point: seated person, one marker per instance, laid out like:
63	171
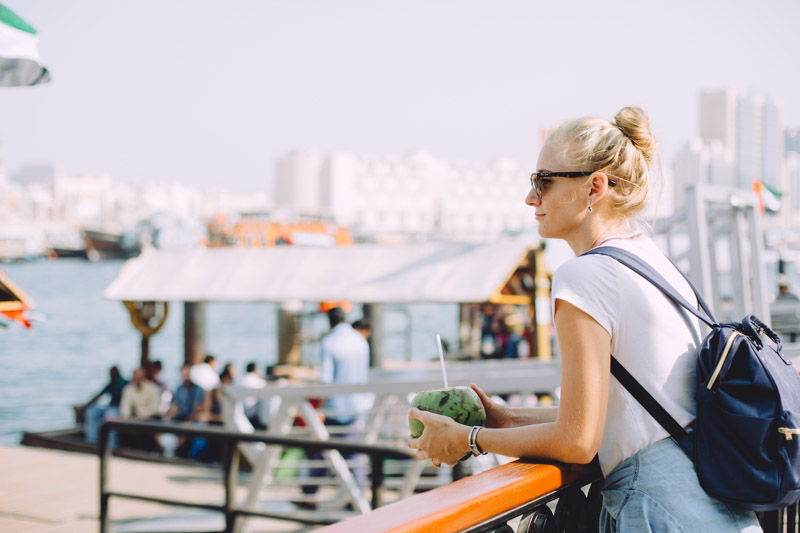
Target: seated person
208	449
188	400
187	406
92	413
140	400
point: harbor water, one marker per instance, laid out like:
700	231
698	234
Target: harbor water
63	360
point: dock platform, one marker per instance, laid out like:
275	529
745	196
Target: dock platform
50	491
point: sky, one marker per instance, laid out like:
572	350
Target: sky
211	93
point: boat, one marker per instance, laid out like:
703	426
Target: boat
14	303
102	245
68	253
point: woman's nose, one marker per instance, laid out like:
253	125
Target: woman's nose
532	198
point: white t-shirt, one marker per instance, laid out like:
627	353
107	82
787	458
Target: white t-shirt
649	337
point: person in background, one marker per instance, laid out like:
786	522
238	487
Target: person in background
187	406
344	358
141	400
211	411
92	413
363	326
591	182
188	400
252	406
784	293
154	375
230	370
205	373
203	449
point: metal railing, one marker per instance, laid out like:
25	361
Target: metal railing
521	497
488	501
230	466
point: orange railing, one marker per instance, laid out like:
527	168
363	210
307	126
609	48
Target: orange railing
486	501
521	493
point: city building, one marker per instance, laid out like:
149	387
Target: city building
415	195
742	141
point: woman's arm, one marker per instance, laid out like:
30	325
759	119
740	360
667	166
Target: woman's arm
574	435
499	415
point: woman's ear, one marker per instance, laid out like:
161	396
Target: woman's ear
598	186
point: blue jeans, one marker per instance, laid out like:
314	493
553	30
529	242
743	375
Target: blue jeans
657	490
96	415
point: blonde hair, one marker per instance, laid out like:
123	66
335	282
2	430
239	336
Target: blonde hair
624	149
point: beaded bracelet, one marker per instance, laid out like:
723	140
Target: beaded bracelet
473	441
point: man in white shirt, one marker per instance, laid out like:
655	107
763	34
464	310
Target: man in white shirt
252	406
343	358
205	374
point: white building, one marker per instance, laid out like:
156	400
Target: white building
418	194
747	142
792	170
718	118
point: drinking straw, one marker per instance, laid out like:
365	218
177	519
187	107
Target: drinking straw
441	359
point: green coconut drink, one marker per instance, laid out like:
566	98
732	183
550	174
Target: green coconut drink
462	404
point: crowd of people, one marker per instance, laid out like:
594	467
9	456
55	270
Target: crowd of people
146	396
197	398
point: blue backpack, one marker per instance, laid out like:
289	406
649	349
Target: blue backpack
745	440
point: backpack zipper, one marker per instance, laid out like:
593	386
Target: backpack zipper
788	432
722	358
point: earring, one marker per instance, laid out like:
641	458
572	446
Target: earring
590	205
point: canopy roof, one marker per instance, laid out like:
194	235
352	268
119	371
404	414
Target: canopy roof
370	273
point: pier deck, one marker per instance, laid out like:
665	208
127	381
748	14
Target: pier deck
48	491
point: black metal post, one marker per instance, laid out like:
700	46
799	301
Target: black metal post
230	469
104	452
377	479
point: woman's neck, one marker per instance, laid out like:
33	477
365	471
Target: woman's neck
598	233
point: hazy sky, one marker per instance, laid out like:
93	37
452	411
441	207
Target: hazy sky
211	93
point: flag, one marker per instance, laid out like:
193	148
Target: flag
769	199
19	52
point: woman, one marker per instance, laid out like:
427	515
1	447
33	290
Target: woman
591	182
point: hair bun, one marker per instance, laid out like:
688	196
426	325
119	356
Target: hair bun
634	124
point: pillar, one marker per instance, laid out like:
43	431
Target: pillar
289	352
374	313
194	332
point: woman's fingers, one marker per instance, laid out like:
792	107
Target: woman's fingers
482	395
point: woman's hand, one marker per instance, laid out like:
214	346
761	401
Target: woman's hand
497	415
442	441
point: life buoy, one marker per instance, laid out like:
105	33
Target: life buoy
147	317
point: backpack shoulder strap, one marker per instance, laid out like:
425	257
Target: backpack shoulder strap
624	377
641	267
647	401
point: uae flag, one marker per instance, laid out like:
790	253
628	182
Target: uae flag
769	199
19	52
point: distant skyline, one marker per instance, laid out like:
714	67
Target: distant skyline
211	93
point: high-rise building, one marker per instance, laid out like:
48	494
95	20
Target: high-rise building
297	183
792	137
718	118
749	130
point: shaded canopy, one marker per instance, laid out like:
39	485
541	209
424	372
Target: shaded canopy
368	273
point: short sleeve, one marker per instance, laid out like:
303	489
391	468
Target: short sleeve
591	284
326	366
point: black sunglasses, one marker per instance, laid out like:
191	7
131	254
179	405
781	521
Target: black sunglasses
538	177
